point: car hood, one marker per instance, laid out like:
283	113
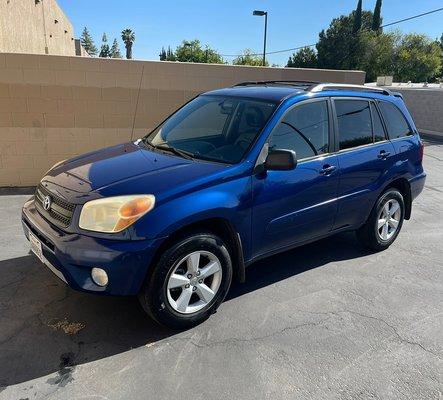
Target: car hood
124	169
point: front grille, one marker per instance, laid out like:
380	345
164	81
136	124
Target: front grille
61	211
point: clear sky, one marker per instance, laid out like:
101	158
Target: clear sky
228	25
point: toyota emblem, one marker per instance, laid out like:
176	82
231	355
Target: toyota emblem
47	203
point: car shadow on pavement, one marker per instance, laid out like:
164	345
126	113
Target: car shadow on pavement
46	327
268	271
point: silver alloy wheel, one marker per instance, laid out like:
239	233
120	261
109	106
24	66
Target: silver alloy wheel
194	282
388	219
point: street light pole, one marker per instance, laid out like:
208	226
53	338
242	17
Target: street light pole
264	41
263	14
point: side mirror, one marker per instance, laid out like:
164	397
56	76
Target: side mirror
281	160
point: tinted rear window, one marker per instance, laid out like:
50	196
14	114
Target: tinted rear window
354	123
395	121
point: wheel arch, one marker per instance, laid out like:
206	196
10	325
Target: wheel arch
404	187
218	226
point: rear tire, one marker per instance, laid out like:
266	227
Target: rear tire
189	281
384	223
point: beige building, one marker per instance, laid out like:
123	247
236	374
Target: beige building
35	27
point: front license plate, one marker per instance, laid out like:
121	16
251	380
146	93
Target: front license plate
36	246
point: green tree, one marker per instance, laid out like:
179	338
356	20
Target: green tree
304	58
338	47
358	17
192	51
105	52
167	55
88	43
170	55
407	57
376	20
378	56
249	58
115	50
355	44
128	37
417	58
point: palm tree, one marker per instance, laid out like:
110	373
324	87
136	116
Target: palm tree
128	38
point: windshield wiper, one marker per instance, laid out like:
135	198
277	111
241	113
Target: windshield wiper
181	153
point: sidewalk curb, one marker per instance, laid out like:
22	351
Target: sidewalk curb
16	190
438	136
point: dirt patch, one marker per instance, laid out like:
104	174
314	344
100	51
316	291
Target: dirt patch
70	328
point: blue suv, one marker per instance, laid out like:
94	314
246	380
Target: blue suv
234	175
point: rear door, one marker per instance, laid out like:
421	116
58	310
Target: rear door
365	157
405	141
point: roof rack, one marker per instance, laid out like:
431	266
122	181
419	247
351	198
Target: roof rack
279	82
314	87
343	86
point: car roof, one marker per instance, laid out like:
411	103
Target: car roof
277	91
263	92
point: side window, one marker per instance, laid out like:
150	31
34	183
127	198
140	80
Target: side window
379	132
304	129
354	123
395	121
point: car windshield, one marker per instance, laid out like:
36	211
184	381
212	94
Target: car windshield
215	128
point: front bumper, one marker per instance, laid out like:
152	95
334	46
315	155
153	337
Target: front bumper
71	256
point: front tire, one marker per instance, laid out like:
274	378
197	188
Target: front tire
189	281
384	223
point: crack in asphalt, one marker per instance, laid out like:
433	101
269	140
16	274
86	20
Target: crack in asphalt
13	282
236	340
434	157
393	328
395	331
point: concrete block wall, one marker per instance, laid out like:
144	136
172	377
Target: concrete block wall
426	107
56	107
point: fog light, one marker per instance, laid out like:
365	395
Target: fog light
99	276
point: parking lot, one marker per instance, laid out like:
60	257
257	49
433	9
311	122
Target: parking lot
325	321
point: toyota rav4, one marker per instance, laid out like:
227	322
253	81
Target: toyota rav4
233	176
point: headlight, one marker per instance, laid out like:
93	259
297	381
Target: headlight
113	214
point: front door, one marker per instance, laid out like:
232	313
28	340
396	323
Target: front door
290	207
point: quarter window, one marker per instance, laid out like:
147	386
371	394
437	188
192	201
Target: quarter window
395	121
354	123
304	129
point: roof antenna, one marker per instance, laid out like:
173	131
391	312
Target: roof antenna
136	103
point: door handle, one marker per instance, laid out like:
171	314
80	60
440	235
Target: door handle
328	169
384	154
